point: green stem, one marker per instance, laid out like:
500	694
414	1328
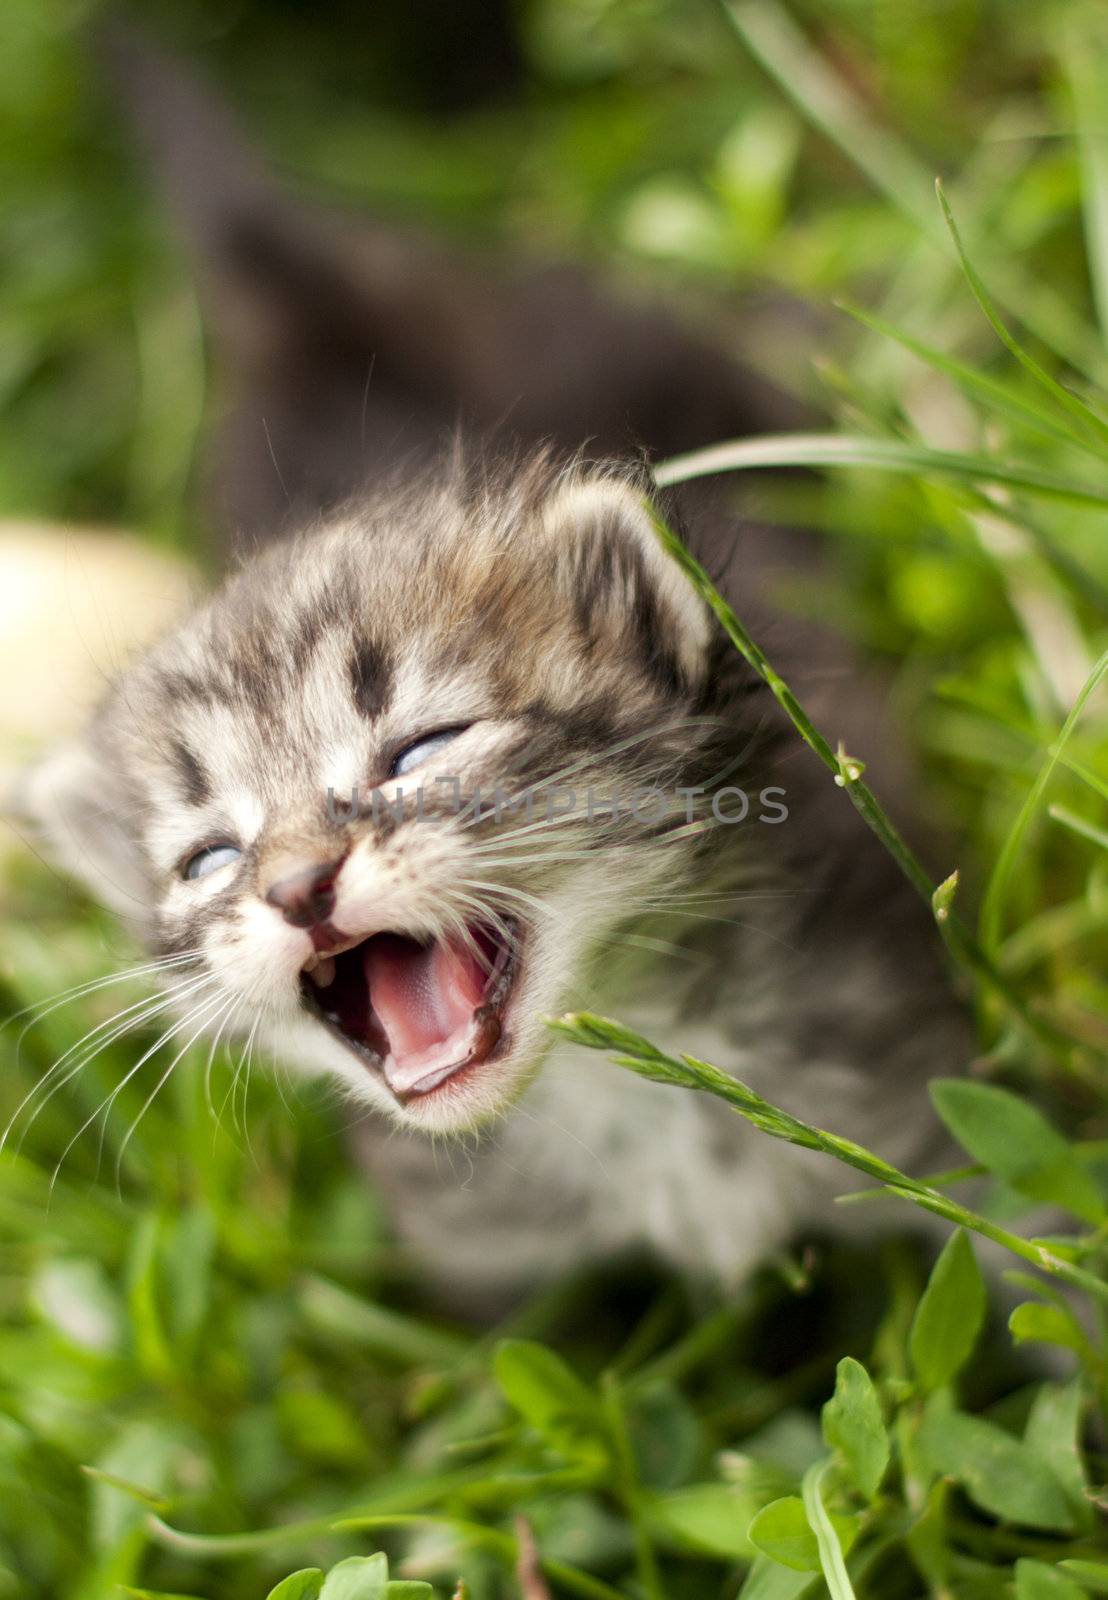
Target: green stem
629	1049
827	1540
848	775
627	1486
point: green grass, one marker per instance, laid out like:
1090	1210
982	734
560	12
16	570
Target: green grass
214	1367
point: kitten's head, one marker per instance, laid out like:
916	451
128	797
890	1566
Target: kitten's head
527	638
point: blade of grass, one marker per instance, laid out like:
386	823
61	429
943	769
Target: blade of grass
997	888
830	1550
1000	396
627	1487
855	450
1069	402
390	1334
1081	825
1024	731
1082	59
773	38
1077	578
633	1051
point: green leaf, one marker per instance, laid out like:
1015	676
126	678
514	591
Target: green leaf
188	1269
156	1594
357	1578
766	1580
302	1585
927	1540
409	1589
378	1329
708	1517
1053	1432
541	1387
853	1425
949	1315
782	1532
1089	1574
666	1436
1035	1323
132	1475
1035	1580
1016	1143
78	1299
1000	1474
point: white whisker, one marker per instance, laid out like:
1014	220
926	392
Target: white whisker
228	1005
44	1008
106	1104
112	1028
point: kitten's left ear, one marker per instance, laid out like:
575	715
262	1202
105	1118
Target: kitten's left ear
69	802
608	548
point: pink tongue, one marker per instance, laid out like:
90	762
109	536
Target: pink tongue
424	997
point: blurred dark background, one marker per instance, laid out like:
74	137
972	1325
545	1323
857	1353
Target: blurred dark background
636	134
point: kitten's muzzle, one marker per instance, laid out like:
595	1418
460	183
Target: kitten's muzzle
306	898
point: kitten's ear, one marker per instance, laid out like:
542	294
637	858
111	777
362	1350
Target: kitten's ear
68	803
608	547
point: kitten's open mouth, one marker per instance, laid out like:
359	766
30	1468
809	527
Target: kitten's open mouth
417	1012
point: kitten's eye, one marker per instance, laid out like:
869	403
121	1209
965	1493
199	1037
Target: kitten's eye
418	751
210	859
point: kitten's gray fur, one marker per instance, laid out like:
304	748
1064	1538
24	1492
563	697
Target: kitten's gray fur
521	593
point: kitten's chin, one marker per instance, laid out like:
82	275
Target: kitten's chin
427	1024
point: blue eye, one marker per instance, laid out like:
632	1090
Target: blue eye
412	755
210	859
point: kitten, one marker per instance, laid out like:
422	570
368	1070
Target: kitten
466	750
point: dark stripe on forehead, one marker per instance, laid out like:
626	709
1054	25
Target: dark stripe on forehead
370	677
258	672
187	687
194	780
324	612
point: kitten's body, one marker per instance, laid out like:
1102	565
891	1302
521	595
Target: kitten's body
523	606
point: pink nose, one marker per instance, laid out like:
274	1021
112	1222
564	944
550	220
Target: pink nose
306	898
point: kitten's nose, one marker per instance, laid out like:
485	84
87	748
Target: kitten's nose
306	898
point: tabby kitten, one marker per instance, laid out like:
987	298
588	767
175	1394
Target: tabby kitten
461	749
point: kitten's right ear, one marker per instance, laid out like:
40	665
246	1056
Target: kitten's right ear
69	803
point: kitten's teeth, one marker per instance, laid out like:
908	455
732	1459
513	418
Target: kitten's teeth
323	973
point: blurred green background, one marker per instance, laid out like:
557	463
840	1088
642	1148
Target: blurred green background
209	1311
